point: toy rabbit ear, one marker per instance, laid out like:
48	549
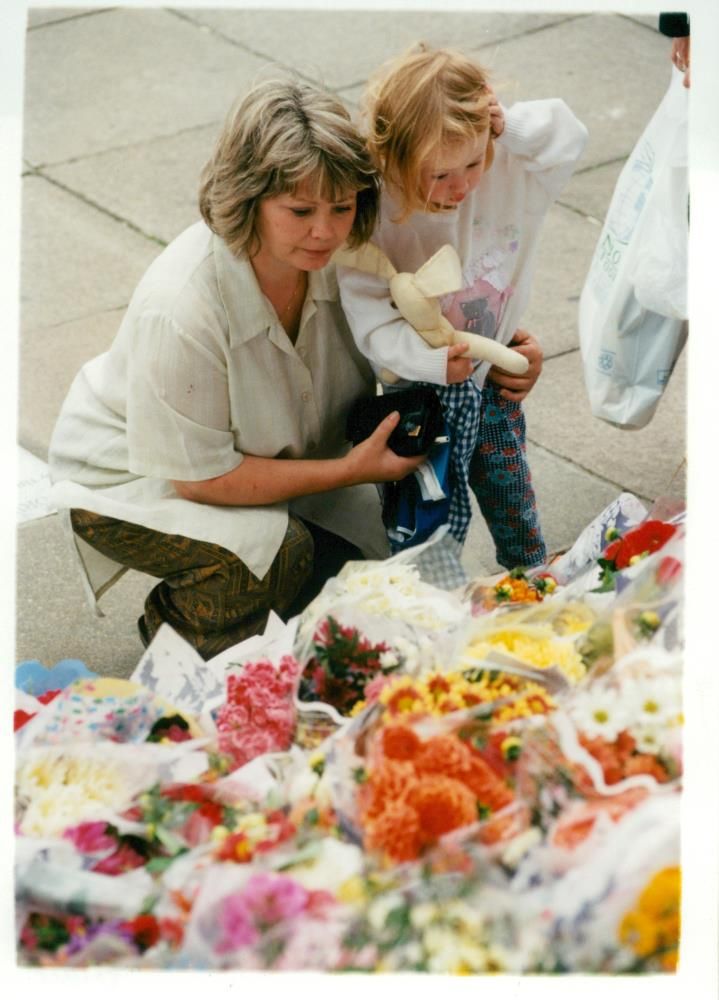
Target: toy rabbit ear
368	258
441	274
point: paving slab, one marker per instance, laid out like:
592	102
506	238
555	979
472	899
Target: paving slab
566	246
568	498
124	76
590	191
53	618
75	261
49	361
586	62
644	462
153	185
38	17
342	48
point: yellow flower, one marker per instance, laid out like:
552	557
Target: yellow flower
352	891
655	923
534	644
254	825
59	787
660	898
510	747
669	959
639	932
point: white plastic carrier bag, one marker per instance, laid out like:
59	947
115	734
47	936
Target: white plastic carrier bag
633	307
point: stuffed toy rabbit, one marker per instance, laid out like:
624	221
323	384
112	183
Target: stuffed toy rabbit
416	297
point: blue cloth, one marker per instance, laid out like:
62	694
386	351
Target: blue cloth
410	518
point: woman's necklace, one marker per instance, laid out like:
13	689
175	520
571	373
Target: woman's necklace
286	310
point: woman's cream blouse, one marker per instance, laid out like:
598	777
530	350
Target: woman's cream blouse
201	372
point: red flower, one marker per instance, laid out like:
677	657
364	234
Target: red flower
145	930
186	793
134	813
172	931
646	538
235	847
199	825
123	860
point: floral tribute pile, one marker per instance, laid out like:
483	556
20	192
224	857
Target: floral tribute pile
404	779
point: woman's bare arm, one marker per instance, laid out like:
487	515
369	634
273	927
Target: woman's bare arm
256	482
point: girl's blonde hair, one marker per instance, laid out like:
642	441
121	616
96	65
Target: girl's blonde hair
423	100
282	133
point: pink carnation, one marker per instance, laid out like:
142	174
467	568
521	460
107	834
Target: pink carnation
90	838
374	687
258	716
236	925
123	860
273	897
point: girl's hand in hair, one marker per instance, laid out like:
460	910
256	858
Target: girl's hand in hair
496	115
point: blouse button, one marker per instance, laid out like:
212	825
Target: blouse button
306	396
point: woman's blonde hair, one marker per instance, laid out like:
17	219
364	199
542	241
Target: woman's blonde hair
417	103
282	133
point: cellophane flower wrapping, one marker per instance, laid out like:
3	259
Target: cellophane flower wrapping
405	779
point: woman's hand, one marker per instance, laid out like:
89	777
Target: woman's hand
459	366
373	461
516	387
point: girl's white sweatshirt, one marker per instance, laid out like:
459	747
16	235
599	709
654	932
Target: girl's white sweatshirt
494	230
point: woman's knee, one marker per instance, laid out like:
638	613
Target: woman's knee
292	566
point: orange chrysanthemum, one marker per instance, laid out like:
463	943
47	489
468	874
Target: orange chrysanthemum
400	742
442	804
445	754
389	781
487	787
395	831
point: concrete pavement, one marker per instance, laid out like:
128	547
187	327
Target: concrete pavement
122	106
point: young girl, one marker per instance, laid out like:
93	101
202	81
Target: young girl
459	169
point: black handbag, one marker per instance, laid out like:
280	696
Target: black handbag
421	419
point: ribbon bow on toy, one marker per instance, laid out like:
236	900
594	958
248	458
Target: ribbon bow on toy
416	297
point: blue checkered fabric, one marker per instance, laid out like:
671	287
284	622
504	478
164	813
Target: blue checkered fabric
462	405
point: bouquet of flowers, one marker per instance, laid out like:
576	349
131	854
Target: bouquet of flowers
258	715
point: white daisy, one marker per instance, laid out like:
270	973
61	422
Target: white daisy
600	711
658	701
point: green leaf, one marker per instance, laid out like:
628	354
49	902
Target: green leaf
162	862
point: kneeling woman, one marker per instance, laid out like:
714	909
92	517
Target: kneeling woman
206	447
